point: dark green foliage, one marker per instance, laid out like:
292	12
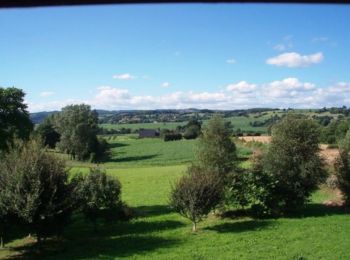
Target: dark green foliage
98	195
35	188
216	151
342	172
48	133
172	137
78	127
14	117
192	129
334	131
294	163
196	194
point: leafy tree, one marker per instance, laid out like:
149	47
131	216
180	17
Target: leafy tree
36	187
196	194
342	172
294	163
216	151
14	117
78	127
48	133
192	129
98	195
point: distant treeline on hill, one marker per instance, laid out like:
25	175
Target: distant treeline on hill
158	115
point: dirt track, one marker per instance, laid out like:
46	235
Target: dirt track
328	153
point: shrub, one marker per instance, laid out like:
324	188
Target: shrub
34	185
294	163
172	137
98	195
342	171
196	194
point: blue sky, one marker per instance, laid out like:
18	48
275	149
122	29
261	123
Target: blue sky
223	56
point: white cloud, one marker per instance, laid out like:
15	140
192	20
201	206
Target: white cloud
283	93
231	61
241	86
293	59
165	85
125	76
46	93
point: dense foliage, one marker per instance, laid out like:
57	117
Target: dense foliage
342	172
294	164
47	131
78	127
14	117
34	188
98	195
216	151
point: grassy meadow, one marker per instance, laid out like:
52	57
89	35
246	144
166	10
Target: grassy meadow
146	169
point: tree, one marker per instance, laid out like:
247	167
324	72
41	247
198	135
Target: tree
78	127
98	195
14	117
342	172
35	186
294	163
47	132
196	194
216	151
192	129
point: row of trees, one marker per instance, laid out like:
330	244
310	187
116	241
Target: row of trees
36	193
279	181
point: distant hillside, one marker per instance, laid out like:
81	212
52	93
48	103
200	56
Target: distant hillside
38	118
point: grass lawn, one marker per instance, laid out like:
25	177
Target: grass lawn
159	233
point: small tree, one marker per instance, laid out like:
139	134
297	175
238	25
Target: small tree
342	172
98	195
196	194
36	187
48	133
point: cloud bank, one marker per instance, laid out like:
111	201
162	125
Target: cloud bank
284	93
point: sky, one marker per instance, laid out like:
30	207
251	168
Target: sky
214	56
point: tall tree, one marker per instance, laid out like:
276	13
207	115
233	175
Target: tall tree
14	117
78	127
48	132
216	150
294	162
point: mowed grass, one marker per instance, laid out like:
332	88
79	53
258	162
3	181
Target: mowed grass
159	233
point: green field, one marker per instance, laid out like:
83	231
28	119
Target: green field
159	233
147	168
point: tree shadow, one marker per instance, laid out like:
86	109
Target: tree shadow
120	239
132	158
116	145
241	226
150	211
318	210
95	247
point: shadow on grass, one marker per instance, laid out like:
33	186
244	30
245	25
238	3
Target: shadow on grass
95	247
116	145
131	158
241	226
318	210
121	239
150	211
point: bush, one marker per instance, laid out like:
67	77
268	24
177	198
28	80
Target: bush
172	137
35	189
98	195
342	171
294	163
196	194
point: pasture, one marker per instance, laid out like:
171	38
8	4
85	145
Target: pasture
146	169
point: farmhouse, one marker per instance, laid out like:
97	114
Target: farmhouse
148	133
